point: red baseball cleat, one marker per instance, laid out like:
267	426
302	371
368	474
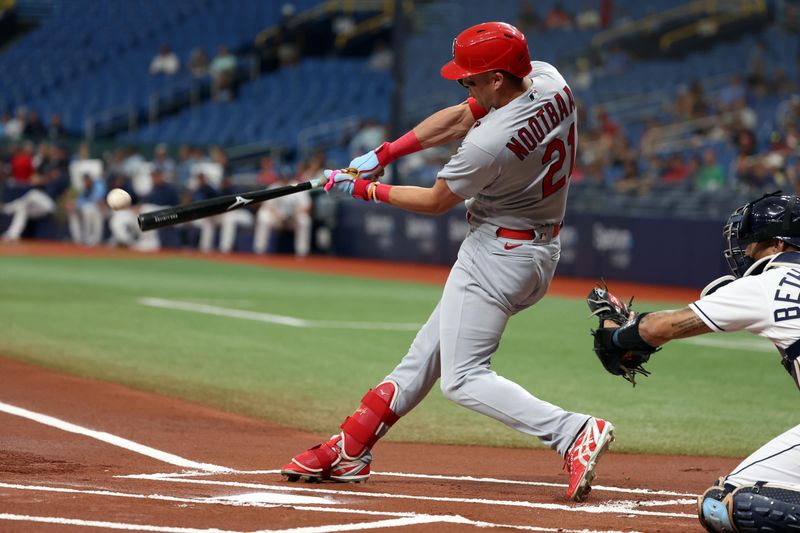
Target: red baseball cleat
595	438
326	462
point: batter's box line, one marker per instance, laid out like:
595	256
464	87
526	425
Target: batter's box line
398	518
622	507
595	488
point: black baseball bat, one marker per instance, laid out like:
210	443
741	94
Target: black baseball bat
221	204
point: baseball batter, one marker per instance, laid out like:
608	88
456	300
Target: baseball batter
763	297
513	169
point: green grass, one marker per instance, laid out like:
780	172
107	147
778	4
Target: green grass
82	316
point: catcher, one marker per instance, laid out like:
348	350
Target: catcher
763	297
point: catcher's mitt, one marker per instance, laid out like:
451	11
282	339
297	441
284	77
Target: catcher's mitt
620	361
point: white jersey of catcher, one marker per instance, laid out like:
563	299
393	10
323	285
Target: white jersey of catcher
765	302
514	164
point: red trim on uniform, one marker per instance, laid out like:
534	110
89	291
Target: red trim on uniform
382	192
524	234
361	189
478	112
516	234
407	144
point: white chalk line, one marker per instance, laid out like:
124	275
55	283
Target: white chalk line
110	439
274	319
595	488
210	468
400	518
392	522
591	509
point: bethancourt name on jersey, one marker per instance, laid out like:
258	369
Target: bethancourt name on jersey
546	119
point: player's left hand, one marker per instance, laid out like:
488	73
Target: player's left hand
369	165
341	181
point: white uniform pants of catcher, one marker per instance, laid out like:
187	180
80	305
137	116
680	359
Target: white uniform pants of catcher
34	204
778	461
487	285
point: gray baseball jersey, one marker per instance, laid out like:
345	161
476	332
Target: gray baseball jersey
513	166
514	163
767	304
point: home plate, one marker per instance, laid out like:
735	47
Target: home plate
275	498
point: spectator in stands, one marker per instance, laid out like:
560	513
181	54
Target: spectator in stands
287	212
218	156
744	117
267	174
381	57
16	124
651	137
557	17
676	171
588	18
528	20
710	176
34	129
198	63
223	73
744	140
370	133
313	167
788	113
38	202
582	77
758	65
208	225
606	13
162	160
55	130
5	116
22	162
631	181
230	222
731	93
86	212
165	62
616	60
780	84
698	101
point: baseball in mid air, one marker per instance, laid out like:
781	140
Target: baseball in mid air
118	199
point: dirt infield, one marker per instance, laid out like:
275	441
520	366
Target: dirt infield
51	476
83	455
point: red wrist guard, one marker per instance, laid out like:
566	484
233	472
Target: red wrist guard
407	144
371	190
477	111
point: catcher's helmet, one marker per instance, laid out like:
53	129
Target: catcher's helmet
773	216
488	46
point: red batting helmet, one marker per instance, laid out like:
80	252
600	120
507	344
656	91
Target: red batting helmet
488	46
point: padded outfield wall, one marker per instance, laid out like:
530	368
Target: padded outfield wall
655	250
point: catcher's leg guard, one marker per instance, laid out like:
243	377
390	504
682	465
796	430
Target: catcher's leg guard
713	510
766	507
370	421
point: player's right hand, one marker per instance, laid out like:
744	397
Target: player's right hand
369	165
